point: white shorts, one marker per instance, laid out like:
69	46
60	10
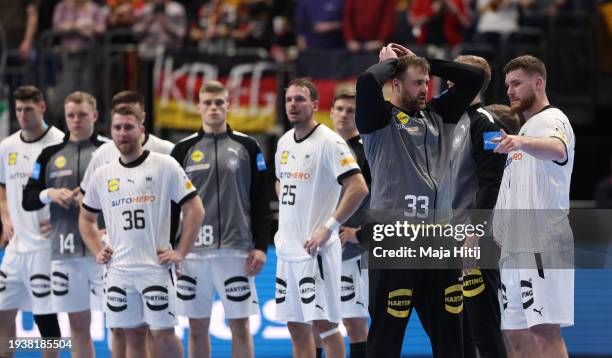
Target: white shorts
529	297
200	278
354	289
25	282
76	284
309	290
135	299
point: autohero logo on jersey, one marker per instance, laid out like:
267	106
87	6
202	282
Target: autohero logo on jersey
197	156
136	199
512	157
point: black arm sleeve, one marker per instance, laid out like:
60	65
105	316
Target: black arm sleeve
260	199
467	81
372	110
37	183
489	165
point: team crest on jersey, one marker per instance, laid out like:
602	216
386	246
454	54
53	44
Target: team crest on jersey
347	161
12	158
60	162
284	157
112	185
197	156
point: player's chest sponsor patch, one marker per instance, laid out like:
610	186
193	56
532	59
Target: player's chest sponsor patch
60	173
198	160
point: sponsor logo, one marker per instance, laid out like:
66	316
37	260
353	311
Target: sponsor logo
453	299
526	293
57	174
138	199
197	156
36	171
402	117
261	162
347	288
12	158
112	185
193	168
149	179
399	302
60	162
281	290
284	157
186	287
487	138
473	283
156	297
116	299
539	311
40	285
237	288
188	185
233	150
307	289
295	175
60	283
347	161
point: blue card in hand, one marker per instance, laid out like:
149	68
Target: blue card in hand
487	138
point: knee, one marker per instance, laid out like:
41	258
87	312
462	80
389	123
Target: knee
240	328
546	332
134	335
79	325
356	329
199	327
164	337
300	332
324	327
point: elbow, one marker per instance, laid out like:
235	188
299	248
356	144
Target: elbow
30	205
362	191
560	155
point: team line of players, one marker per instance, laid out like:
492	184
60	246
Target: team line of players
55	185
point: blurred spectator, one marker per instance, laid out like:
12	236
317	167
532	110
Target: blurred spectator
498	18
403	29
214	21
603	191
368	24
319	23
253	26
439	22
505	115
122	14
283	47
19	20
160	23
78	22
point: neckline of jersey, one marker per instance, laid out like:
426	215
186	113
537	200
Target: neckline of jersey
36	139
135	162
307	135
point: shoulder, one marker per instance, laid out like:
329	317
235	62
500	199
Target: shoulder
159	145
49	151
11	140
286	138
247	141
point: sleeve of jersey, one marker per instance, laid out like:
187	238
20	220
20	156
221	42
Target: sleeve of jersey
94	163
182	189
36	184
555	128
489	165
340	160
467	81
91	199
260	199
371	112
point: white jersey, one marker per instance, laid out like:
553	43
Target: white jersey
309	171
109	151
533	201
135	200
17	158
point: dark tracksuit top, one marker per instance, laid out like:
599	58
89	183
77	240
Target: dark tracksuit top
230	174
409	154
478	172
61	166
351	250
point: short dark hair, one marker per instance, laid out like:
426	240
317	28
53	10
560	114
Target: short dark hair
127	110
506	116
212	87
79	97
28	93
481	63
344	93
127	97
528	63
306	83
405	62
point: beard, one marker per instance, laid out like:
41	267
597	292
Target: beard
411	103
523	104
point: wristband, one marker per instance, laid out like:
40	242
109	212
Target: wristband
44	197
332	224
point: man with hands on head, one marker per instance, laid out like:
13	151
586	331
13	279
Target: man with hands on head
408	145
311	162
135	193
